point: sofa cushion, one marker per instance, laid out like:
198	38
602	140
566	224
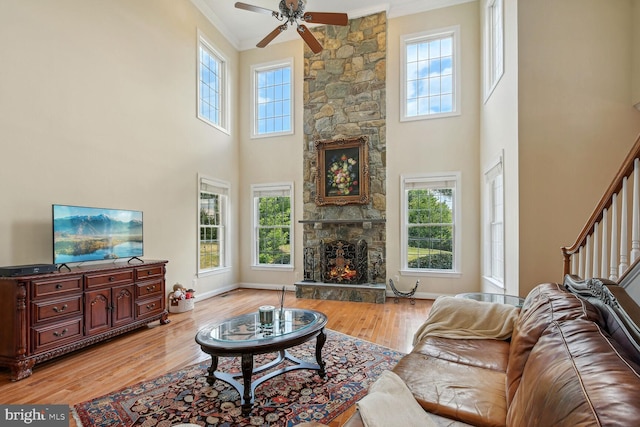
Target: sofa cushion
575	376
488	354
453	390
545	304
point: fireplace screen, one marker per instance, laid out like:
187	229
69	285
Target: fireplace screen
344	262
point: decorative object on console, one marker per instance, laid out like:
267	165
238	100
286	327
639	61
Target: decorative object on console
343	171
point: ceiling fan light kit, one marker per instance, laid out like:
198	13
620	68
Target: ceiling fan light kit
292	11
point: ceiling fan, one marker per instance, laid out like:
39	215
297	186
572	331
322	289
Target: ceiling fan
290	12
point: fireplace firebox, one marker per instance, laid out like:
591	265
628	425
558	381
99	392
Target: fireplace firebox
344	262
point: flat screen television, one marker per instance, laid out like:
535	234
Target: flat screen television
89	234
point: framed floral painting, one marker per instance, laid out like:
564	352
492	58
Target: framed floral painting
343	171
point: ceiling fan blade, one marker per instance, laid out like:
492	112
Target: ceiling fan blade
293	4
272	35
326	18
309	38
253	8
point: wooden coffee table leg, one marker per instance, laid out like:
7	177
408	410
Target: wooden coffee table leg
322	338
247	371
211	378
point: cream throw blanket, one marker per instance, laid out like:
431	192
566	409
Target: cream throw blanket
390	403
462	318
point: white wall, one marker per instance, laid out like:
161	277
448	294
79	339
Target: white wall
98	108
576	123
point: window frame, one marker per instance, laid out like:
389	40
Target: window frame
405	40
493	45
255	70
257	190
492	173
223	104
428	180
223	189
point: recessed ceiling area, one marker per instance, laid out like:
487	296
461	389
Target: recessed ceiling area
244	29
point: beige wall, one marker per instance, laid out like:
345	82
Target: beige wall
575	121
499	137
635	72
269	160
437	145
97	108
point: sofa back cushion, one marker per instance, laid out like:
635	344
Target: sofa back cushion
575	376
545	304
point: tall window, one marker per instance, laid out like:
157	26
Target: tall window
213	221
211	85
430	75
273	100
494	45
430	235
494	224
273	225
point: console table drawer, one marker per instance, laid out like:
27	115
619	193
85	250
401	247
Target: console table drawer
146	289
143	273
59	333
63	307
113	278
149	307
51	287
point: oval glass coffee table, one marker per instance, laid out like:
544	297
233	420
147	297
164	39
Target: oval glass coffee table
243	336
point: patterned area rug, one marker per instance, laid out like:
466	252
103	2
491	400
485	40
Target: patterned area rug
297	396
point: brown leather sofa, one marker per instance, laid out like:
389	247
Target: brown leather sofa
573	360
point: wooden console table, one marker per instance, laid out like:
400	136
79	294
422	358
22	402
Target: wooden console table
47	315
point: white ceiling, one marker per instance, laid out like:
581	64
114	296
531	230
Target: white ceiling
244	28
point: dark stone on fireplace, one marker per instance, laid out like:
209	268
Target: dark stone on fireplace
367	292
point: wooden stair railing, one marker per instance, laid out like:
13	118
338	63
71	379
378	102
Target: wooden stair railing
602	247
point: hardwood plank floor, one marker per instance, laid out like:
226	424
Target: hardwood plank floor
152	351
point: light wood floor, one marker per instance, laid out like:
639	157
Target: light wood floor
152	351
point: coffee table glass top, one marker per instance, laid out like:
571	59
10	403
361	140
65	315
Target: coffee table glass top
247	327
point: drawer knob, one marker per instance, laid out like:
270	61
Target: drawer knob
151	288
61	333
149	273
111	278
59	286
61	309
151	306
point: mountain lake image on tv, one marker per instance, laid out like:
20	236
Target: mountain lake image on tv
90	234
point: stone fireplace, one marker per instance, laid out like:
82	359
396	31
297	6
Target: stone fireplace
344	239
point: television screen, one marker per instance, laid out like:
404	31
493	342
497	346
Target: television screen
89	234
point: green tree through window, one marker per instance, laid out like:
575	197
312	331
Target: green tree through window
430	228
273	226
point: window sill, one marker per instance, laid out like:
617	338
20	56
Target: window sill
214	272
431	273
266	267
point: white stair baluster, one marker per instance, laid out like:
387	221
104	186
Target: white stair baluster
624	260
614	238
596	253
635	230
604	265
587	258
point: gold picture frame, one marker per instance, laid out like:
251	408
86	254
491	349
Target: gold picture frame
343	171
